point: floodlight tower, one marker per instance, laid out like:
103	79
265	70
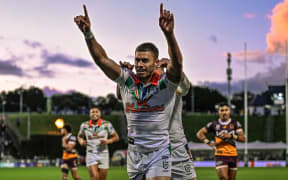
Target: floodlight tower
229	78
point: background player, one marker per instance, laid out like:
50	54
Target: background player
226	131
97	131
69	156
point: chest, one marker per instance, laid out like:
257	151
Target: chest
96	131
224	128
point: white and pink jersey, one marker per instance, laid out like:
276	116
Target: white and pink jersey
148	109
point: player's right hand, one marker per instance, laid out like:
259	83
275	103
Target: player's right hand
163	63
126	65
212	145
83	22
82	142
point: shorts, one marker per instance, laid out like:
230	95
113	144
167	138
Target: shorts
71	163
101	159
182	164
230	161
150	164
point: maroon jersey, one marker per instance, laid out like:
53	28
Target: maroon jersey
224	147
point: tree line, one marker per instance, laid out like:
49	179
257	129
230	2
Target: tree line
199	99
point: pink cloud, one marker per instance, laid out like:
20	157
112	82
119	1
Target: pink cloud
277	35
252	56
249	15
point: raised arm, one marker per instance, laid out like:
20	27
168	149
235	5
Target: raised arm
166	22
108	66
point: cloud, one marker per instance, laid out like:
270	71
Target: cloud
277	35
256	84
213	39
60	58
252	56
8	68
32	44
249	15
44	72
49	91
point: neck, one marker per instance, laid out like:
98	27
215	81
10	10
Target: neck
224	120
147	79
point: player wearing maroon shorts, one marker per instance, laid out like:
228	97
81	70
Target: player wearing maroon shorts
226	131
69	156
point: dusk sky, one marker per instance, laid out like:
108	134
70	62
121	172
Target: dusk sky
42	46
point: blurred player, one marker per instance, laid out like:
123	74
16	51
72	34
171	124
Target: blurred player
182	163
226	131
98	134
148	98
69	157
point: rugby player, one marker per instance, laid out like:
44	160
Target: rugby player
182	161
98	134
226	131
69	156
148	98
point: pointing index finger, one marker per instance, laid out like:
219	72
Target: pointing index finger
85	11
161	9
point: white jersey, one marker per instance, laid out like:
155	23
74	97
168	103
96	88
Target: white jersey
176	131
95	133
148	109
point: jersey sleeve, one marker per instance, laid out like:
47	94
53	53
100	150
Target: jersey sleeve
238	127
111	129
124	75
184	86
209	127
81	130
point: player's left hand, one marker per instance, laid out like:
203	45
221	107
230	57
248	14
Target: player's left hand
166	20
225	136
83	22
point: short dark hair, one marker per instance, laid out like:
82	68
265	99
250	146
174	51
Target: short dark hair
221	104
68	127
95	107
148	46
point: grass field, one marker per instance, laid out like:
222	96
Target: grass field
117	173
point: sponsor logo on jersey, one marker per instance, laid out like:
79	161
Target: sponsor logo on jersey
131	108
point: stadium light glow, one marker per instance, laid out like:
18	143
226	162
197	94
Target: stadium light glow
59	123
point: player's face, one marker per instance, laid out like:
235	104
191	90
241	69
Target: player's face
224	112
145	64
63	131
95	114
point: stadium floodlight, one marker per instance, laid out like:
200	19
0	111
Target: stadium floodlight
286	100
59	123
246	158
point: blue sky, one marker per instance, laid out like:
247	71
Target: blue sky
41	45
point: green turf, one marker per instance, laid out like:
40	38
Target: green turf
118	173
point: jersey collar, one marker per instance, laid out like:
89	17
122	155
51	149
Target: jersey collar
68	135
154	80
224	123
98	124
